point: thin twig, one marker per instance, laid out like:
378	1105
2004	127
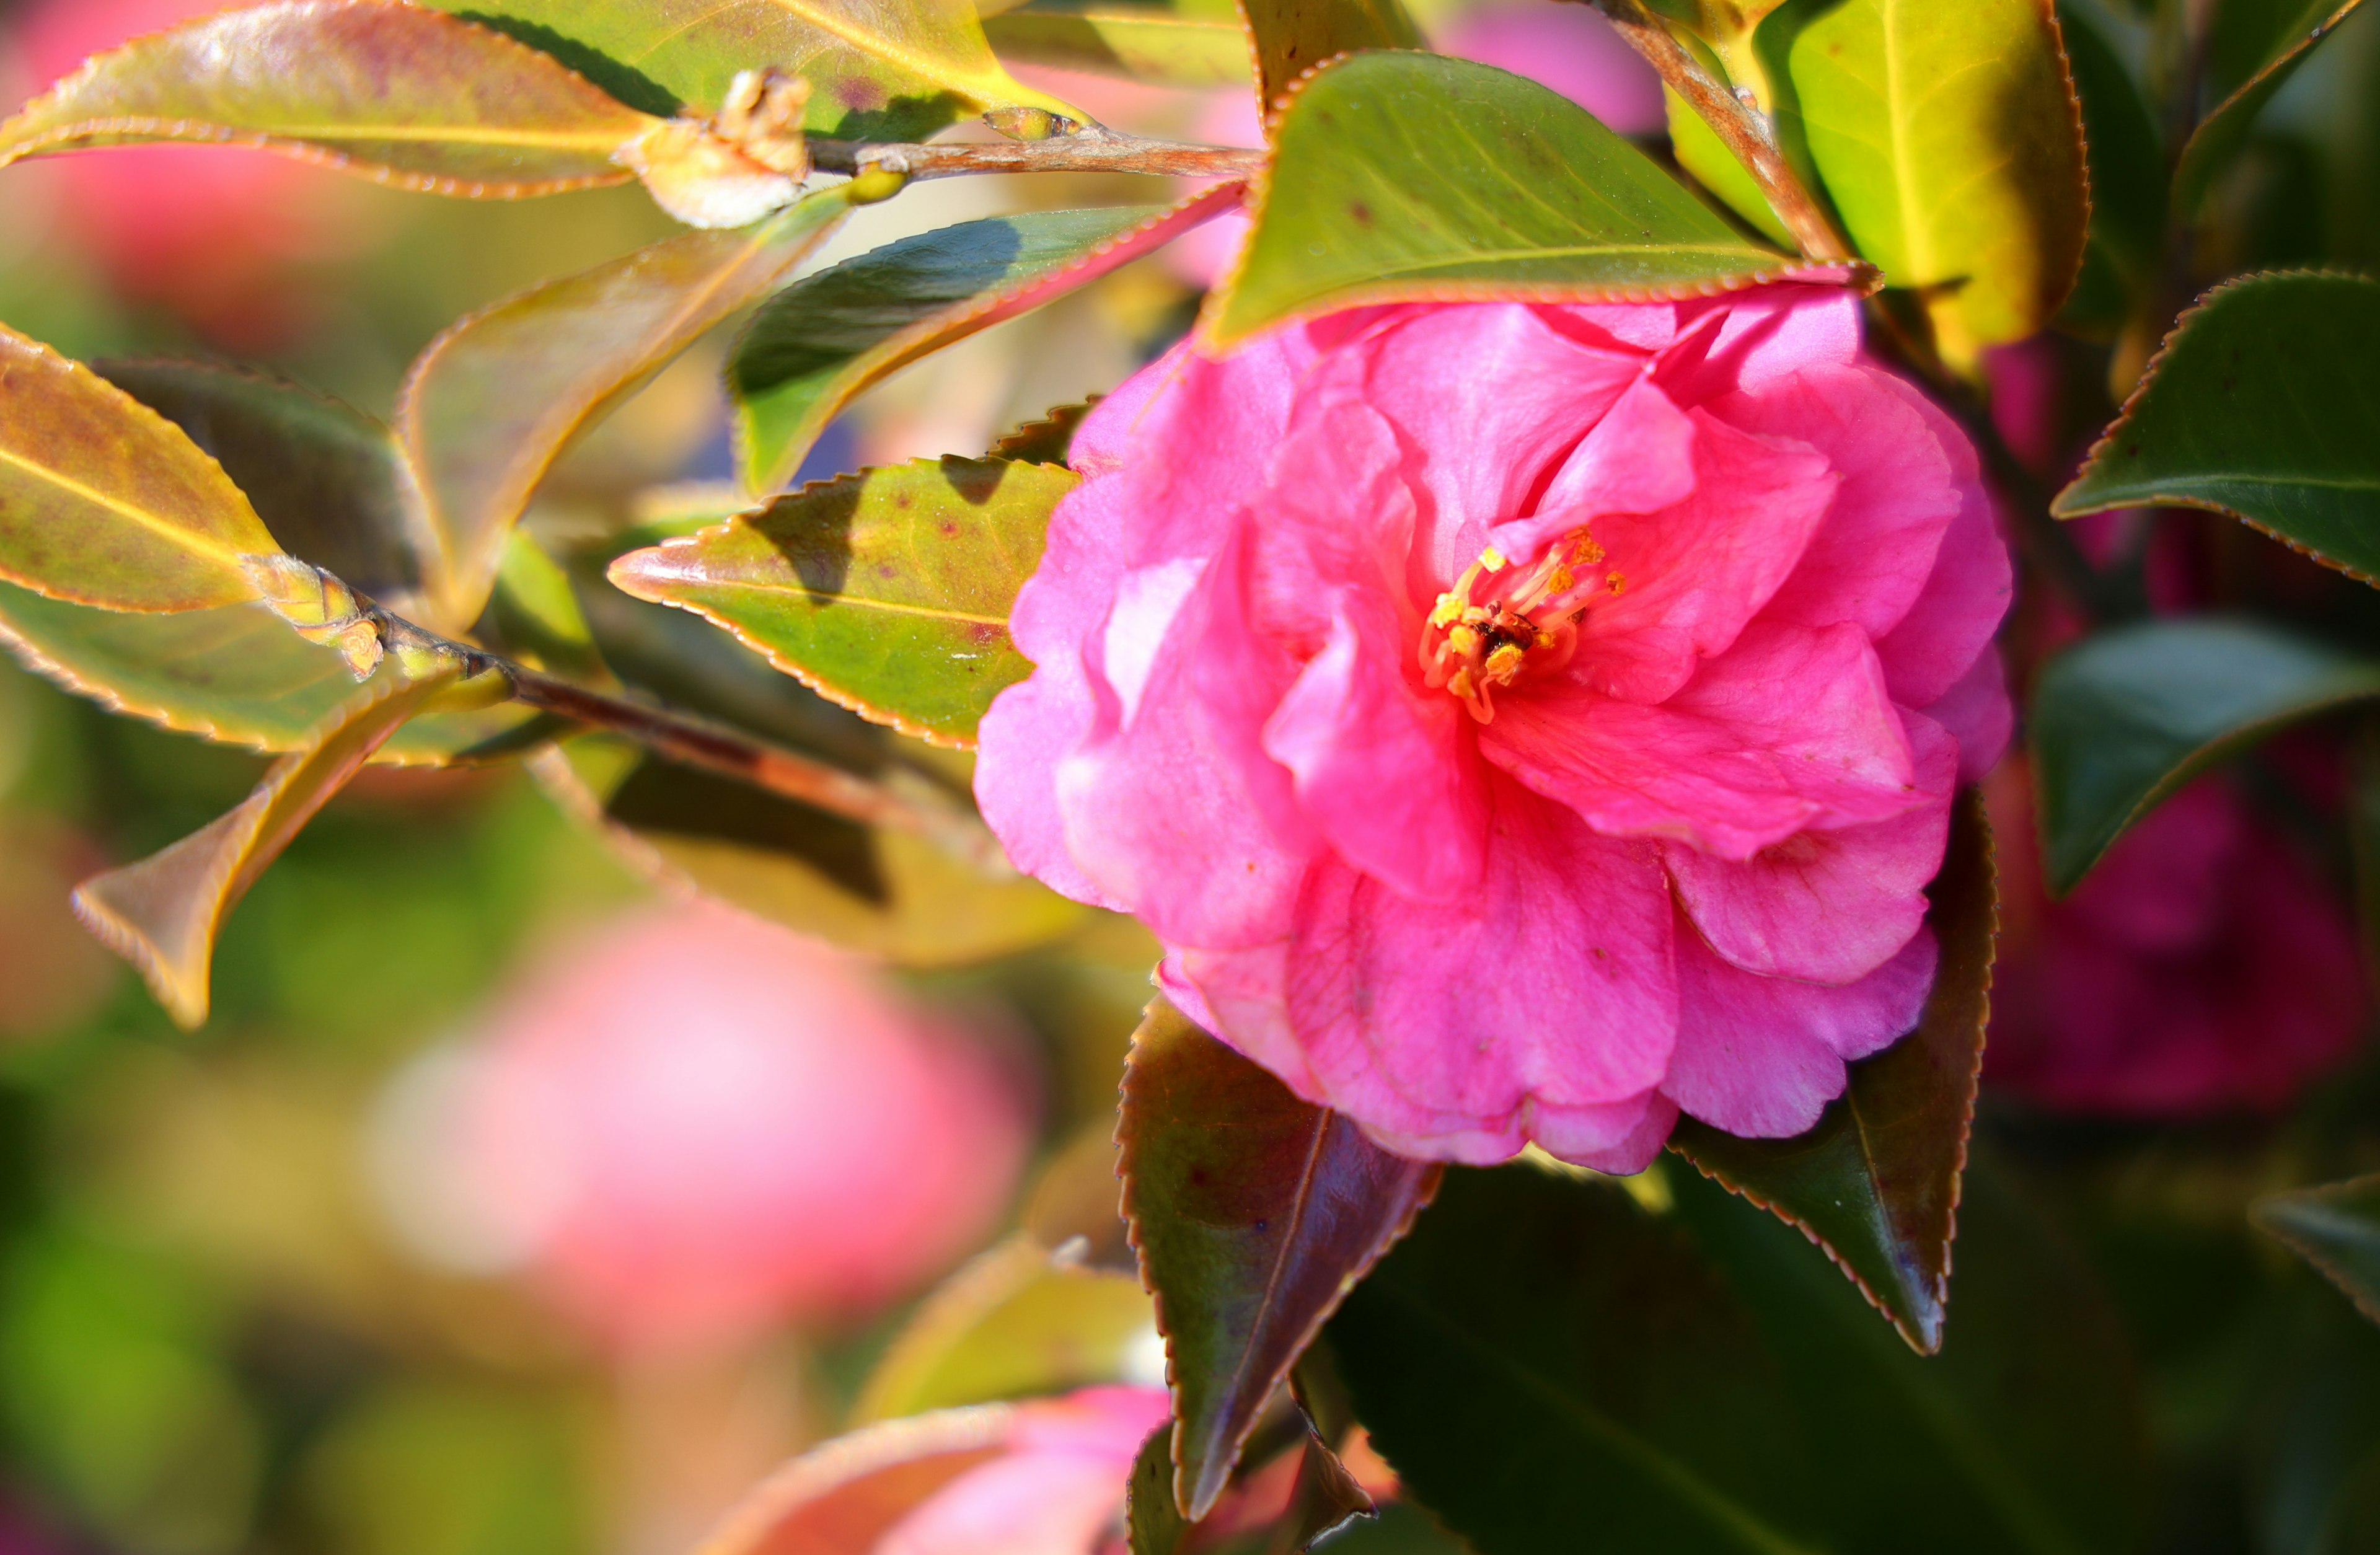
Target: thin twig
1093	149
1742	131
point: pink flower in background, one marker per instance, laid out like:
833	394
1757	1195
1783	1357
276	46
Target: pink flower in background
1519	723
2199	969
695	1124
1057	1488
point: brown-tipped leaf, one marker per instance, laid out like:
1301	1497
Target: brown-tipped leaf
104	502
396	93
1254	1213
1876	1183
1291	37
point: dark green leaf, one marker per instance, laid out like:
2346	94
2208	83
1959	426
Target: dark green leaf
1155	1524
2221	134
821	341
1253	1519
2126	717
2261	406
2337	1229
1291	37
1875	1184
887	591
2128	178
1190	44
1253	1212
1403	177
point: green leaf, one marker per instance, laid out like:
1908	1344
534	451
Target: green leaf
1180	45
2220	135
1291	37
844	1496
818	343
1875	1184
398	93
104	502
1254	1213
886	592
2127	179
494	401
2126	717
1701	152
163	913
536	614
879	69
1413	177
2262	405
1153	1523
2337	1229
1323	1498
1949	141
1011	1324
1047	441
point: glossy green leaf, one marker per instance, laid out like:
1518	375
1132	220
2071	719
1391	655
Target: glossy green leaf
887	591
1012	1324
2337	1229
1875	1184
878	70
1951	142
1701	152
1181	45
1403	176
818	343
498	397
163	913
398	93
2220	135
1291	37
2126	717
2261	406
844	1496
2127	179
1254	1213
104	502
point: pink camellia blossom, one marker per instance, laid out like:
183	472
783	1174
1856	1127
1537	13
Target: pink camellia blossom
1056	1488
1519	723
2199	969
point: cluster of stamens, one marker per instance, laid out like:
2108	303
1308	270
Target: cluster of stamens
1496	623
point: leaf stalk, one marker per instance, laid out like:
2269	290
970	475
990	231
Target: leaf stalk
1092	148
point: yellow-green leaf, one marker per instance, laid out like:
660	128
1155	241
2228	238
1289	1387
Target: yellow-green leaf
1291	37
1189	45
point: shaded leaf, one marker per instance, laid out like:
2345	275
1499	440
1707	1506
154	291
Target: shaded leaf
494	400
878	70
1153	1523
1047	441
2260	405
887	591
1514	191
2128	178
1949	141
844	1497
1254	1213
396	93
1182	45
1291	37
1254	1518
1875	1182
818	343
2220	135
2127	716
1076	1210
104	502
2337	1229
161	913
1012	1323
535	614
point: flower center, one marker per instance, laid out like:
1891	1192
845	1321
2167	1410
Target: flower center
1497	622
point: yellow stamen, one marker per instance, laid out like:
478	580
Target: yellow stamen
1505	663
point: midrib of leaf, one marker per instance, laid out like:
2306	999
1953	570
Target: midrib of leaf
1485	256
2200	478
587	140
191	539
864	601
1299	1204
1914	242
874	44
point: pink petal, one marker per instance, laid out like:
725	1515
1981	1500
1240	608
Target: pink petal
1572	50
1639	458
1825	907
1336	513
1978	714
1763	335
1761	1057
1969	590
1618	1137
1788	729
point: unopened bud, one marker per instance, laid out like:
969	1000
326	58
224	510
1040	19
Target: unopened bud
875	182
1021	123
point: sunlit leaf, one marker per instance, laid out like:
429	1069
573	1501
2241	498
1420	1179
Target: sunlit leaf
399	93
105	503
2337	1229
2220	135
536	614
878	70
844	1497
163	913
1875	1184
887	591
1949	141
1012	1324
1403	176
1188	44
818	343
1701	152
1291	37
2127	716
1254	1213
2261	406
495	400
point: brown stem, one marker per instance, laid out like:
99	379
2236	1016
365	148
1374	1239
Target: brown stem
1742	131
1093	149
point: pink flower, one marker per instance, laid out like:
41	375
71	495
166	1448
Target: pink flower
2200	968
1055	1487
1518	722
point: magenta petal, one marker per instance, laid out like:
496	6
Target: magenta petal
1978	714
1825	907
1336	514
1762	336
1639	458
1958	612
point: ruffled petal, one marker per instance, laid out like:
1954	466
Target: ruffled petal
1750	340
1967	594
1978	714
1639	458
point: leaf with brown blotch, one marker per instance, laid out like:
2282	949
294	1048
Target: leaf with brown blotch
1291	37
1254	1213
842	1498
161	913
104	502
1876	1182
494	401
395	92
